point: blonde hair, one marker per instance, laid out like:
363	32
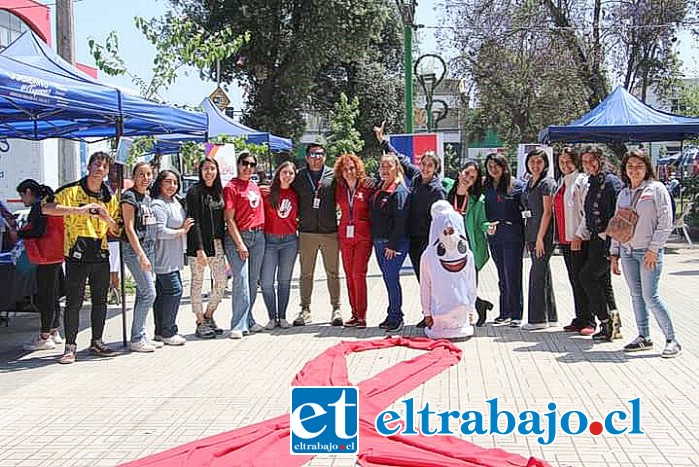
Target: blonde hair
400	176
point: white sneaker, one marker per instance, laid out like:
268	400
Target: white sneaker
553	324
534	326
155	344
141	346
56	337
256	328
515	323
40	344
284	324
271	325
235	334
174	340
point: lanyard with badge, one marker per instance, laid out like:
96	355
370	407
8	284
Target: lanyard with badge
350	201
463	205
316	188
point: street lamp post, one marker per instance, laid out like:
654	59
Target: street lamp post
430	70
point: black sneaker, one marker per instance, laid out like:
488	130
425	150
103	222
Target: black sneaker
605	332
100	349
214	327
394	327
638	344
383	324
204	331
502	320
421	324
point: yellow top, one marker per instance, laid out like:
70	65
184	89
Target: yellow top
83	233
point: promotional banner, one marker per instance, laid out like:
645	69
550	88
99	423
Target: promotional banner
225	156
416	144
122	152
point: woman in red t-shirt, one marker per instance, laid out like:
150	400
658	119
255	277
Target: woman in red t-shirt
281	244
244	244
352	194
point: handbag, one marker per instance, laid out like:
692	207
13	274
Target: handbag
621	227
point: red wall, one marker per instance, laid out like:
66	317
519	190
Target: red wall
36	15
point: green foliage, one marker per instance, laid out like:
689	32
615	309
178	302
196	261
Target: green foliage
506	49
178	42
689	104
343	136
301	55
452	162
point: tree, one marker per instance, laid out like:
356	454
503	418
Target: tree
294	48
343	136
178	42
536	66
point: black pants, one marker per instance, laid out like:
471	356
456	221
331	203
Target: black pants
48	280
609	291
595	278
542	303
415	249
508	261
574	261
97	275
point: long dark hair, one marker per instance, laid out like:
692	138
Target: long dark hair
155	191
276	187
505	184
41	192
217	187
477	188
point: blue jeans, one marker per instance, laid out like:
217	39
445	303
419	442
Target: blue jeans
280	256
245	276
145	287
390	269
168	292
643	284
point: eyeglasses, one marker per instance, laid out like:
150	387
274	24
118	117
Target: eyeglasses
315	155
248	164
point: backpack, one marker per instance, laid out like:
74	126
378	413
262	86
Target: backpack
47	249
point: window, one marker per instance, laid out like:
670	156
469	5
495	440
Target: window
11	27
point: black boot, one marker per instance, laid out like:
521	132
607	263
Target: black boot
605	332
482	307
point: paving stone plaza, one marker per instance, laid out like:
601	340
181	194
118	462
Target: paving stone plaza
102	412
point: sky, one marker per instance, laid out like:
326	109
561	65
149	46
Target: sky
93	19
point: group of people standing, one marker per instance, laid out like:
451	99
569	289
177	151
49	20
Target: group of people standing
259	230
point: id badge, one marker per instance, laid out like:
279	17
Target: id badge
350	231
316	203
526	214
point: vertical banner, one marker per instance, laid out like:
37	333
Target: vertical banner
416	144
225	156
522	152
122	152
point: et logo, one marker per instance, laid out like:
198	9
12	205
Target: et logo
324	420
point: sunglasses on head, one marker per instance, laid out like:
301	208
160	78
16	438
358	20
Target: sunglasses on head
248	164
316	154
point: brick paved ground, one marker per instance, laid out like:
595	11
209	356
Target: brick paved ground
102	412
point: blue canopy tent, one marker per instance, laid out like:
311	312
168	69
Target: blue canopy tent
221	124
43	96
622	117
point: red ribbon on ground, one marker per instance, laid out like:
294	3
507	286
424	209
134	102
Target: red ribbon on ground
267	443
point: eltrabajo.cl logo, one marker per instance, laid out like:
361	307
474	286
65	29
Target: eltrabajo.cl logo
324	420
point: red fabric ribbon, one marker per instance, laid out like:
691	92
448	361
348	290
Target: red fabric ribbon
267	443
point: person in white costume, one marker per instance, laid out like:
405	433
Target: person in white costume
448	277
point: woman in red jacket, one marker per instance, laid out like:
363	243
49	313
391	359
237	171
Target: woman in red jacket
43	240
352	194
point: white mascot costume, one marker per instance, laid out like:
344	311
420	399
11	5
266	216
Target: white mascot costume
448	276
